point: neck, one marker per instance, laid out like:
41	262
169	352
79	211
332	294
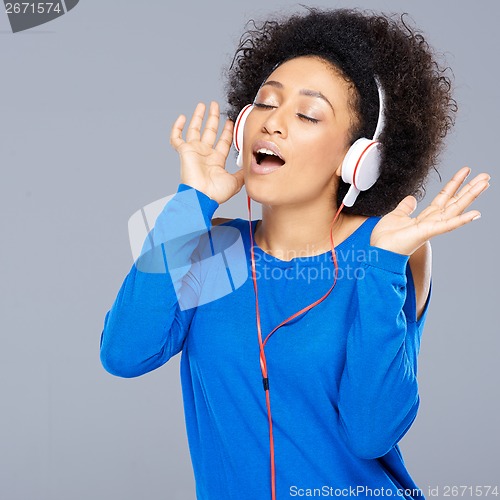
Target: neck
289	231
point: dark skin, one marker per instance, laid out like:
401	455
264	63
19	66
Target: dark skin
289	226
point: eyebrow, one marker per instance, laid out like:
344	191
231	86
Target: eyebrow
307	92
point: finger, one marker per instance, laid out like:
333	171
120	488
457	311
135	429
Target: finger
226	138
466	199
176	132
480	177
240	178
212	125
193	131
450	188
406	206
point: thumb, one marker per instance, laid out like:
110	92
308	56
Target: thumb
406	206
240	179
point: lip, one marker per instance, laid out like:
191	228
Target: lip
259	169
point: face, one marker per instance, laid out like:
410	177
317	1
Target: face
301	112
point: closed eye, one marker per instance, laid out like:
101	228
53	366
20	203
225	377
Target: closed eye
308	118
300	115
260	105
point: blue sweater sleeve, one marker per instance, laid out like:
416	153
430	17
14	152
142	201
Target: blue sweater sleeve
378	393
150	317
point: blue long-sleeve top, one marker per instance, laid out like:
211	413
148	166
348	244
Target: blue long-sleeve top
342	376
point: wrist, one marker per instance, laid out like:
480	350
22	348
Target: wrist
392	246
383	258
206	204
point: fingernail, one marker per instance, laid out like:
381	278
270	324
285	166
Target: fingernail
476	217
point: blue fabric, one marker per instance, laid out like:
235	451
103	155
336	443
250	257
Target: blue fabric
342	376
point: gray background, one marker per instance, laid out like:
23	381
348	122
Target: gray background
87	105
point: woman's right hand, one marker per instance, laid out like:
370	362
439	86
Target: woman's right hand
202	164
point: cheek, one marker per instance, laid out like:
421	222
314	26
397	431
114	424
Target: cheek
320	154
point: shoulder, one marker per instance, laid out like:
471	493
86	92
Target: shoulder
421	269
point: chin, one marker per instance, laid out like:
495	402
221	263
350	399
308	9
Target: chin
266	193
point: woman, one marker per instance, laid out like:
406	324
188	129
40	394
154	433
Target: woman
299	357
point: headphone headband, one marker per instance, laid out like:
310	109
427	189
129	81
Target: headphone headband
381	110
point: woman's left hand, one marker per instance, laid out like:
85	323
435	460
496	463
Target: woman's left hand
400	233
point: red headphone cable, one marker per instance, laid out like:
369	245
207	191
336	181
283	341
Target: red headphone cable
262	344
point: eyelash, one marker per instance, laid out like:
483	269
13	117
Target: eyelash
300	115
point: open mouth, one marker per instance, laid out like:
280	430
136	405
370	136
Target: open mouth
268	159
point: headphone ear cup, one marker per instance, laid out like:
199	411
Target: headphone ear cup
361	168
239	126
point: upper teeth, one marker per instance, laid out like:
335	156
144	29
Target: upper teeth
266	152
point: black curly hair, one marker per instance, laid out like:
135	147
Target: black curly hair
419	107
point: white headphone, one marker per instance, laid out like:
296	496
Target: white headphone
361	165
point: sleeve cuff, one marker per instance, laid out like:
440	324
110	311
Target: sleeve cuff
387	260
207	205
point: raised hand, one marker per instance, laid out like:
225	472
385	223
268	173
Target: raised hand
202	164
400	233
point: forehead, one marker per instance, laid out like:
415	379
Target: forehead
311	72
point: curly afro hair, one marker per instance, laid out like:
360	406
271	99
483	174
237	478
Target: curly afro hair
419	108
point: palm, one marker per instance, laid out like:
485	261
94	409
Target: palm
202	162
400	233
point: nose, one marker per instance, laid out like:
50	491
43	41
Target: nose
276	121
